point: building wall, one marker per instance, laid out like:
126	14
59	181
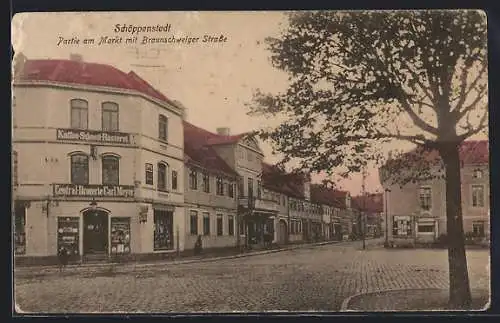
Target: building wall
405	201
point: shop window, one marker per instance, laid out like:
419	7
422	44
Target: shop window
425	198
162	176
401	227
19	229
149	174
426	228
110	170
80	169
206	182
193	223
206	223
120	235
79	114
230	225
163	127
174	180
163	230
68	234
478	228
478	174
193	179
478	195
109	116
220	186
220	229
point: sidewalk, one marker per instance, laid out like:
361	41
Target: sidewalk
40	271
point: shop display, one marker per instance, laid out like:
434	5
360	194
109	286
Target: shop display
120	235
68	235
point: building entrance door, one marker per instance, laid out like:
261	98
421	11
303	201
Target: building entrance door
95	232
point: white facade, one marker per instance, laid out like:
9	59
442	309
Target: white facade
45	142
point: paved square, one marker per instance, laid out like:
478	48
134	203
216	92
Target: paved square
316	278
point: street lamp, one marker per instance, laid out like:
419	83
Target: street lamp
387	191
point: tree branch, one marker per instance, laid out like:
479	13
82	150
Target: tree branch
483	123
465	93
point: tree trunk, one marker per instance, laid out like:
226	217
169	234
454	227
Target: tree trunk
460	295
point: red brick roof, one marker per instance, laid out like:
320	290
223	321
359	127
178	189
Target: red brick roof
328	196
198	149
84	73
278	180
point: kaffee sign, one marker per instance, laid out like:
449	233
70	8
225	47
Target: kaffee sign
93	136
69	190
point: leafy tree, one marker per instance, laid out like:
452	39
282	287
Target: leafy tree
358	80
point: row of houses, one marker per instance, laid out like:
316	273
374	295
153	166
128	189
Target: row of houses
105	164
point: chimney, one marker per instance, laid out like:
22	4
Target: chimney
223	131
76	57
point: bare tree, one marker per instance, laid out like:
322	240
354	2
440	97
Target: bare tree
361	79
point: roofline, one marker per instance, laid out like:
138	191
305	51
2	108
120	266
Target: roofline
168	104
192	162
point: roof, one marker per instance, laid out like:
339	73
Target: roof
371	202
85	73
328	196
199	151
276	179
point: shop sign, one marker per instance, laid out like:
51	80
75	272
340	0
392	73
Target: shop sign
93	136
69	190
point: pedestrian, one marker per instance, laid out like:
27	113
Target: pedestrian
198	246
63	257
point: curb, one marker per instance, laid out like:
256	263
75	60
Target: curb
345	303
80	269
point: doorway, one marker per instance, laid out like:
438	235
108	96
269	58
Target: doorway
282	232
95	232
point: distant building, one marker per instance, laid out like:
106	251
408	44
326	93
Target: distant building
371	206
417	211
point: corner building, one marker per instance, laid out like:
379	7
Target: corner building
99	163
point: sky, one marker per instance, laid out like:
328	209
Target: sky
212	80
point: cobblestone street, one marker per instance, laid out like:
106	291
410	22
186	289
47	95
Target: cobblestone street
316	278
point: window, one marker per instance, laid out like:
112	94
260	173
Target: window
478	228
478	173
149	174
14	168
230	190
193	179
220	186
120	235
426	228
206	183
477	195
79	169
241	226
206	223
220	230
110	170
19	228
174	180
230	225
79	114
401	226
109	116
259	189
162	127
162	177
284	201
425	198
68	234
163	230
193	223
250	156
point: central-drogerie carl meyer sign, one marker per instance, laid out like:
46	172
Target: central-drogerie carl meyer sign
69	190
93	136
